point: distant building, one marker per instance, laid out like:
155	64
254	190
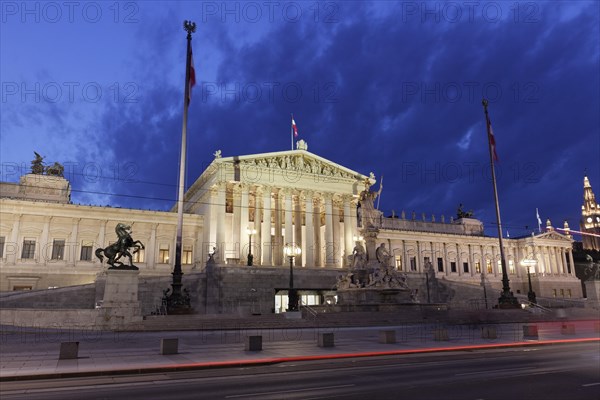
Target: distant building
282	197
590	218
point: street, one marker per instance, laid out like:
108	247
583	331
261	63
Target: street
546	372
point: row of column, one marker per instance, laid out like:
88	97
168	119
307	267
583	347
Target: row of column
280	216
550	260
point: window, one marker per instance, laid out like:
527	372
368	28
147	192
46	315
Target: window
488	264
58	249
163	254
453	266
554	293
186	255
398	262
425	260
562	292
511	266
465	267
569	292
1	246
478	267
499	266
140	255
413	263
86	251
440	264
28	249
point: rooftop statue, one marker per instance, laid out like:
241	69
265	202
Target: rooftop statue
370	217
55	170
463	214
37	165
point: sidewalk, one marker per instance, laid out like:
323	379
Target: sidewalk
29	353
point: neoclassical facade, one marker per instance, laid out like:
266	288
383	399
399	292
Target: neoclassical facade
255	204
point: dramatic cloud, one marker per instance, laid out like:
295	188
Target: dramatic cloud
389	87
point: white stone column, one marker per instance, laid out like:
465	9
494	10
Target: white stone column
150	251
348	235
309	245
277	246
556	250
483	260
15	252
571	262
329	243
297	217
244	222
102	237
71	246
559	256
563	253
221	234
236	226
404	262
433	259
317	239
338	246
258	217
45	251
471	261
446	263
288	236
266	228
419	258
494	261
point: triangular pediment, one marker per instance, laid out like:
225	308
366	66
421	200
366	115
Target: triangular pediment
553	235
294	160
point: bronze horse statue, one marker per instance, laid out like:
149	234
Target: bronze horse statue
120	248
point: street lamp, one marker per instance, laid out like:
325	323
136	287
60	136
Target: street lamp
250	232
291	251
528	263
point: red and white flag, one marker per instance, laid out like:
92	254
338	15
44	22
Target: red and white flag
491	138
294	127
192	78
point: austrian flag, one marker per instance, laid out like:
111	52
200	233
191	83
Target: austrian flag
294	127
491	138
192	78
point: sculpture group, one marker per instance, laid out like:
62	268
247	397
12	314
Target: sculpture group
120	248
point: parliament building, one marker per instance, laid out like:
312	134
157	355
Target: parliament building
253	205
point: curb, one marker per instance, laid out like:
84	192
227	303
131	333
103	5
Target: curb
277	360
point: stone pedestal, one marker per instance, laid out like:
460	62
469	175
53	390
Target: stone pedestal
120	307
592	288
370	236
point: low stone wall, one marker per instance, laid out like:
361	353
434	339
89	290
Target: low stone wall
59	319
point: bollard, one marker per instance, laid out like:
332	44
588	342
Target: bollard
387	337
489	332
169	346
68	350
440	334
326	339
567	329
253	343
530	331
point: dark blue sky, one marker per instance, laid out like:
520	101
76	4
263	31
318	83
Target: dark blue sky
389	87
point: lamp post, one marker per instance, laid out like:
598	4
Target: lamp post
250	232
528	263
291	251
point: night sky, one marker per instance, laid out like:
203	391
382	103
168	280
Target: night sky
389	87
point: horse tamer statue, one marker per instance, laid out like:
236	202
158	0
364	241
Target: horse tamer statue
120	248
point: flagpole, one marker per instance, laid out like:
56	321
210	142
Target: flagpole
292	131
507	299
176	302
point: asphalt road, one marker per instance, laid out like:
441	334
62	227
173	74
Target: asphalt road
569	371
